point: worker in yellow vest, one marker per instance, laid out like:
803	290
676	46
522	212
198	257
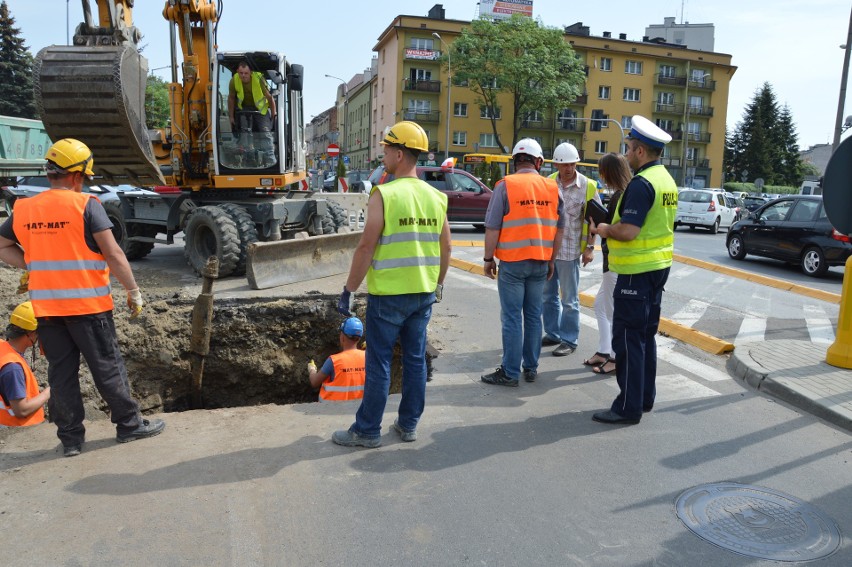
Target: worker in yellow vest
21	403
641	246
342	375
251	108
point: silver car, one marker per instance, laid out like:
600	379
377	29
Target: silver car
705	209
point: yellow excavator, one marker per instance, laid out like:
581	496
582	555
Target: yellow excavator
233	191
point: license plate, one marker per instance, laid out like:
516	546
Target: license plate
689	218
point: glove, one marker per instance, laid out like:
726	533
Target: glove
24	286
344	304
439	293
312	366
135	302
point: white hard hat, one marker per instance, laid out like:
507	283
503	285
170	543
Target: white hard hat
528	146
566	153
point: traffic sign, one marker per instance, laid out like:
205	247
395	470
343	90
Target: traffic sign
333	150
346	160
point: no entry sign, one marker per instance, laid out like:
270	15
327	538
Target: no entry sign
333	150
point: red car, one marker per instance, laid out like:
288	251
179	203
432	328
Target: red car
467	196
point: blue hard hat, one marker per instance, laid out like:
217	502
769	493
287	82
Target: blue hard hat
352	327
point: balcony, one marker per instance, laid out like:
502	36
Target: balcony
581	99
671	81
701	111
537	124
665	108
702	84
693	137
680	81
570	125
421	86
414	116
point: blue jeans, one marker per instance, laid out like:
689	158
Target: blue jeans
562	319
520	286
390	317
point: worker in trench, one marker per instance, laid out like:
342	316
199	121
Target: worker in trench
342	375
21	402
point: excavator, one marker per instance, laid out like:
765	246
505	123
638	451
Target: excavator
232	191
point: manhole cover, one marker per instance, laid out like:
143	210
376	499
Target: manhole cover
758	522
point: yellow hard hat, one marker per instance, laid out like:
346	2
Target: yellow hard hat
69	155
408	134
24	317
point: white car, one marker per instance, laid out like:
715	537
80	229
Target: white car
703	208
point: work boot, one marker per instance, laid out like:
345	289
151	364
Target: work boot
72	450
145	429
547	340
407	436
351	439
530	375
564	349
499	378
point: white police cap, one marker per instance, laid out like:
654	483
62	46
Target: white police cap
647	132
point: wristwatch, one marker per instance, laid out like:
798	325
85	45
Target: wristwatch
590	246
488	259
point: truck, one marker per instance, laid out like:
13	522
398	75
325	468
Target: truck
227	188
23	143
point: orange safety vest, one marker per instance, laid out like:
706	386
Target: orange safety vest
349	376
530	226
66	276
7	416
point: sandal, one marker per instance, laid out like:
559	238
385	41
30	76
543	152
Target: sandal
604	358
601	368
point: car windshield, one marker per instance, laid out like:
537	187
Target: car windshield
754	200
694	197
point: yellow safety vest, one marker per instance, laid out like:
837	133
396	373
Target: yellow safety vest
258	96
653	247
408	256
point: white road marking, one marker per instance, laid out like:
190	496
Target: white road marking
689	315
819	326
752	330
674	387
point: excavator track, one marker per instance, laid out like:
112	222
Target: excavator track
97	95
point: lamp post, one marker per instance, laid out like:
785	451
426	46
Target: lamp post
449	91
686	125
843	78
345	145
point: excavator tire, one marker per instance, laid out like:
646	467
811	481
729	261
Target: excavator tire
97	95
210	231
335	217
122	231
246	230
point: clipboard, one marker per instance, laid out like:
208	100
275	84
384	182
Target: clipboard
596	212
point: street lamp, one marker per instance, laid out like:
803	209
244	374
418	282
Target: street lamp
345	145
686	125
843	78
449	91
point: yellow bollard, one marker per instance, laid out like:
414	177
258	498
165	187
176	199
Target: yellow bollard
840	353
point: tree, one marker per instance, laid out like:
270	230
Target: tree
16	70
521	58
156	102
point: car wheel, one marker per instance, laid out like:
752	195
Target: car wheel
692	227
813	262
676	225
715	228
736	247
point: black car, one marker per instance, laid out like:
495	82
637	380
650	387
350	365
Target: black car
794	229
753	202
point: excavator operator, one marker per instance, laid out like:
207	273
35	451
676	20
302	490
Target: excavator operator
251	108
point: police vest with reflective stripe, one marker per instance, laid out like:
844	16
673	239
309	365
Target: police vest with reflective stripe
349	376
66	276
7	416
407	258
591	189
530	226
653	247
259	98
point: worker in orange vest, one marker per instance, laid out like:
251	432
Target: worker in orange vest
342	375
21	403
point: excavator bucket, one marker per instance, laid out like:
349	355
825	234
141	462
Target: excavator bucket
271	264
97	95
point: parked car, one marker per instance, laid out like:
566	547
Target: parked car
356	179
330	183
29	186
794	229
467	196
704	208
740	210
754	202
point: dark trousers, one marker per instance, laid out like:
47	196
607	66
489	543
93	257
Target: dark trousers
636	317
93	336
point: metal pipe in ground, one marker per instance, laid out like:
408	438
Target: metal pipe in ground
202	328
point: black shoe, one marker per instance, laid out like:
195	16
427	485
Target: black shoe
564	349
647	409
72	450
530	375
146	429
610	416
547	341
499	378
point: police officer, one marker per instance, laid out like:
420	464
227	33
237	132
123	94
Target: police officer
641	244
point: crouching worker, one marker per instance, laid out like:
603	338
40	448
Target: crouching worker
342	375
20	401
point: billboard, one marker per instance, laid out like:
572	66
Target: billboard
502	9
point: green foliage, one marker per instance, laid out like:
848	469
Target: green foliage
768	189
339	172
156	102
532	64
16	70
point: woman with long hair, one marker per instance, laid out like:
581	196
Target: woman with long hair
615	172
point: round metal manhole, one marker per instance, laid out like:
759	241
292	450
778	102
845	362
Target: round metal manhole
758	522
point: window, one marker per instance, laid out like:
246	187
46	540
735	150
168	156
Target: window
694	129
487	111
492	84
667	99
566	119
631	95
463	183
600	147
667	70
460	82
804	211
534	116
691	154
421	75
420	106
699	76
460	109
606	63
487	141
696	103
627	122
459	138
667	125
603	92
422	43
633	67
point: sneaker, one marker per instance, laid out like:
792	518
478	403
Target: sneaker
499	378
548	341
564	349
351	439
72	450
146	429
529	375
407	436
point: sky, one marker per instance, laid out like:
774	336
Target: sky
792	44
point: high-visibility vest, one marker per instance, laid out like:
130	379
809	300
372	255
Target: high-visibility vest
653	247
7	416
66	276
530	226
407	258
258	96
591	189
349	376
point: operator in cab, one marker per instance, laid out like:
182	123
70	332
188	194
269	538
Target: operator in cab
251	108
